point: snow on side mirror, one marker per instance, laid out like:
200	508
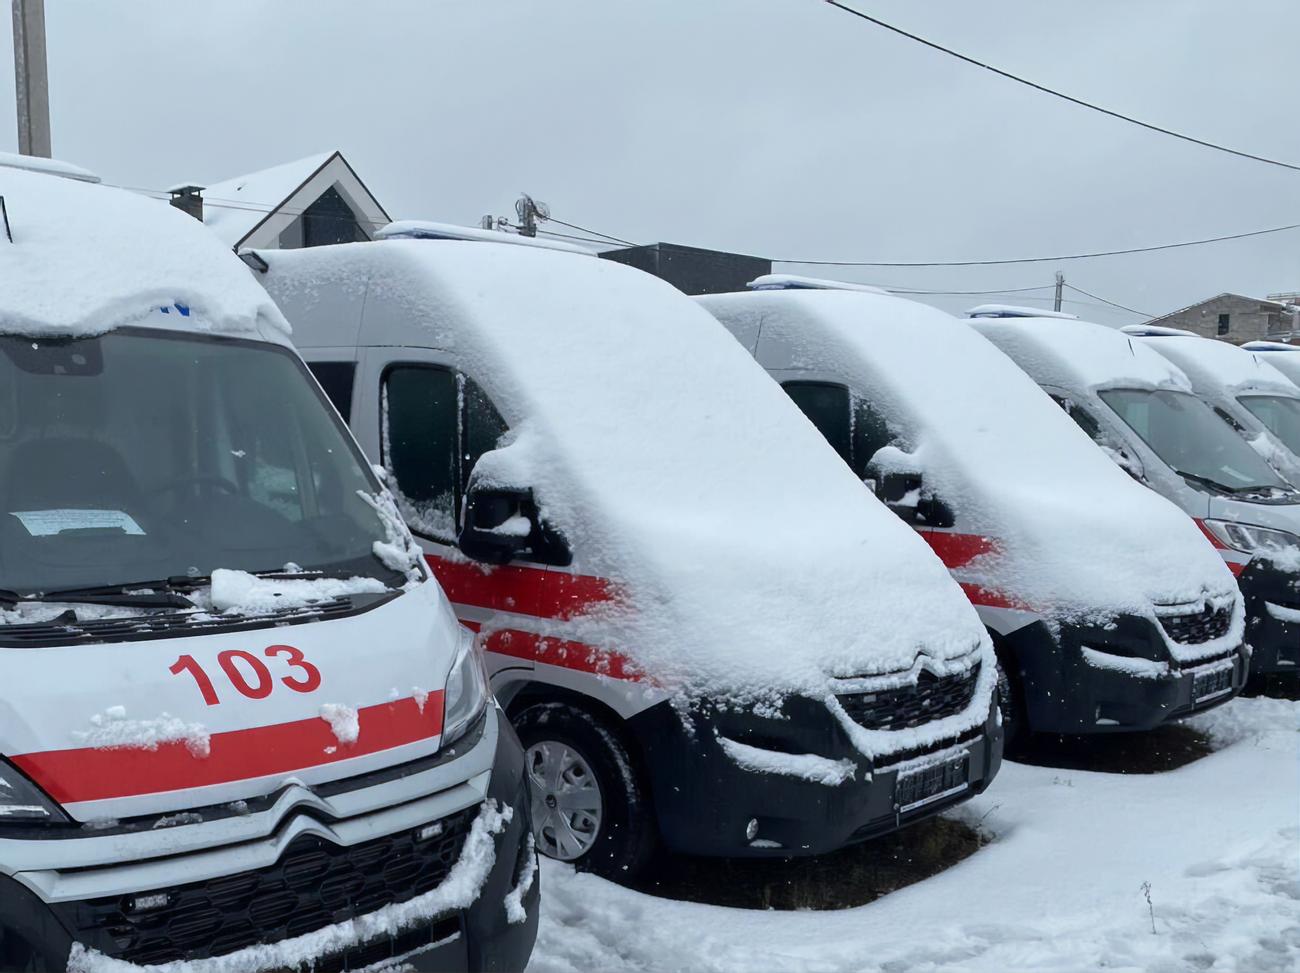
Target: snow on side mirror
502	524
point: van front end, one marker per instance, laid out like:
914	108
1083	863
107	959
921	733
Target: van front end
755	782
1272	618
430	862
1123	675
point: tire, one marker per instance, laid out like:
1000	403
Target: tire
1011	701
571	756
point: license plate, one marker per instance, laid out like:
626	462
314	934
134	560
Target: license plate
1212	682
925	785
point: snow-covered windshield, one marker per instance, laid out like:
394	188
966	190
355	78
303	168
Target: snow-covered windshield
142	454
1186	434
1280	415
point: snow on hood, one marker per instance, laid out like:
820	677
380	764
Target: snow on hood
86	259
1080	355
1077	537
749	556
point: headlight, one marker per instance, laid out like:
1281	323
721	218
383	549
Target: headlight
467	690
1250	539
21	801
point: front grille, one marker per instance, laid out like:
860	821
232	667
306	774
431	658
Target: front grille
314	884
1203	626
931	698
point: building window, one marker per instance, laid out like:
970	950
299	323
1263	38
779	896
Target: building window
330	220
1223	323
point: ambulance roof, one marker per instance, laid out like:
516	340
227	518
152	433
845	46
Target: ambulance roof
82	259
1079	355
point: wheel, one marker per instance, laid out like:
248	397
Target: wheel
589	803
1015	728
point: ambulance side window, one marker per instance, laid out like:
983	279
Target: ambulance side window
437	423
484	427
829	408
1086	421
336	379
870	435
420	436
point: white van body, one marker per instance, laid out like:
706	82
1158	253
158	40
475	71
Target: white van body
670	580
1061	552
228	686
1099	374
1244	387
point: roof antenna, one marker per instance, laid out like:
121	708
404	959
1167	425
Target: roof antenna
4	213
1131	350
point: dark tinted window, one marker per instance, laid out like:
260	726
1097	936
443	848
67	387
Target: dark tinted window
420	439
329	219
336	378
828	407
1225	323
438	423
483	426
870	435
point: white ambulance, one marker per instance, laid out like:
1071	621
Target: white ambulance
240	725
1242	386
1140	408
700	639
1108	608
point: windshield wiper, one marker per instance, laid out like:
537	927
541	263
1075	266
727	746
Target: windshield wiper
144	594
1216	485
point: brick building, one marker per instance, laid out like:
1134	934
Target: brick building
1237	319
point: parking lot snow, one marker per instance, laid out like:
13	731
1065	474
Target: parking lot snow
1062	886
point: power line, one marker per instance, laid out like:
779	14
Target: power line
1058	94
583	229
1009	290
1035	260
1103	300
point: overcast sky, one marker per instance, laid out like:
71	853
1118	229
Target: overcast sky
777	127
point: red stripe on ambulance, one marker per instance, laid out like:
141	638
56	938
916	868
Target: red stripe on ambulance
958	550
97	774
525	591
1230	555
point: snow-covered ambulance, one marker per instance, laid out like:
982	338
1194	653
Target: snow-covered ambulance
699	638
1140	408
1108	609
1244	389
240	725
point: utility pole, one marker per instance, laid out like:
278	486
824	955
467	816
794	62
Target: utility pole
31	82
1060	283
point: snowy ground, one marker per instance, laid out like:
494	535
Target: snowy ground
1060	888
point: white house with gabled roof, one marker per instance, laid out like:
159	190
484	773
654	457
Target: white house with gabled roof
306	203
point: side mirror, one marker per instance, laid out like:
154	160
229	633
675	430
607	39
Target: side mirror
902	493
502	524
497	524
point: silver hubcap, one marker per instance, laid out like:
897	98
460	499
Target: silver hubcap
567	806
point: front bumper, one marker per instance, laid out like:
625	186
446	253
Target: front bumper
1272	623
1071	685
704	800
317	877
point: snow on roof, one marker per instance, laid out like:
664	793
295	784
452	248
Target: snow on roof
668	458
1154	331
232	209
1015	311
794	282
52	167
1217	369
1275	353
87	258
429	230
1077	534
1079	355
